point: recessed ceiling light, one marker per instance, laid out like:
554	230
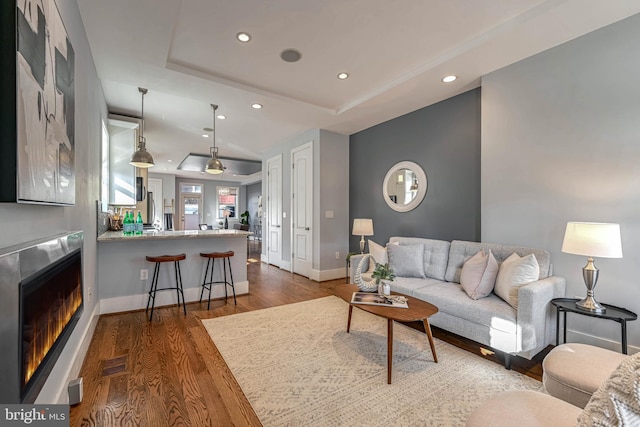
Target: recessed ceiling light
204	135
221	116
170	161
256	106
449	79
343	76
243	37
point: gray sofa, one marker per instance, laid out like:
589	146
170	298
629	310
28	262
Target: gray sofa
490	321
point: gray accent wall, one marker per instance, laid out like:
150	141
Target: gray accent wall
561	142
444	139
23	223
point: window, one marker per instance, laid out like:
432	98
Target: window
104	169
190	188
227	202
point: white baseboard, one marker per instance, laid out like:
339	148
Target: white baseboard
137	302
322	275
581	337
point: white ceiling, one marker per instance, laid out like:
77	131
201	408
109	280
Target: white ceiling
395	51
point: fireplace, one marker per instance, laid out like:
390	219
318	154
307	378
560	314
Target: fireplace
41	300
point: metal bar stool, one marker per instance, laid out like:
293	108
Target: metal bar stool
154	281
211	261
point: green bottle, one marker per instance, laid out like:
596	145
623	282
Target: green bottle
139	227
127	223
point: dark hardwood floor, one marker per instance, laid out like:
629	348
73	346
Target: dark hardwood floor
169	373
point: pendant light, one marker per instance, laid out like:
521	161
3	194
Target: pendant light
142	158
214	165
414	186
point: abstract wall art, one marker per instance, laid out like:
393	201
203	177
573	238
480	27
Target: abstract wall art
45	105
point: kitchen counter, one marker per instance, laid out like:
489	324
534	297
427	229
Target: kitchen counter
117	236
124	274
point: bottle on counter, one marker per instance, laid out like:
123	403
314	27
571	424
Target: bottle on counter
127	223
139	226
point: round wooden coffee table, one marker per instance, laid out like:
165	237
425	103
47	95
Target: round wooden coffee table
418	311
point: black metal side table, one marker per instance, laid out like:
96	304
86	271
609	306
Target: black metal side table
617	314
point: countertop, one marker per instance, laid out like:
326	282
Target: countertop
117	236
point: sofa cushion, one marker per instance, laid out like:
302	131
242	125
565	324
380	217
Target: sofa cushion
407	261
478	276
461	251
450	298
408	285
617	400
436	254
515	272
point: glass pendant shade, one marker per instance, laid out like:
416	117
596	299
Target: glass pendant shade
142	158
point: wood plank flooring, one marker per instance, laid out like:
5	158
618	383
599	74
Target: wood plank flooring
169	373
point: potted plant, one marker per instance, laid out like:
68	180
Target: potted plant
244	218
383	272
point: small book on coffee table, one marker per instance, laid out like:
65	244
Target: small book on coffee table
369	298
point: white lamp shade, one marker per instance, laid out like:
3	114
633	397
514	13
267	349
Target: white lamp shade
593	239
362	227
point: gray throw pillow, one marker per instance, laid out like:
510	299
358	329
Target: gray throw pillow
407	260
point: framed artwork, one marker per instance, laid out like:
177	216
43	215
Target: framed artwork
45	106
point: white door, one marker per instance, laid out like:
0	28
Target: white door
191	205
155	187
273	238
302	209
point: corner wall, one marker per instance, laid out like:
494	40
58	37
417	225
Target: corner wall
22	223
444	139
561	142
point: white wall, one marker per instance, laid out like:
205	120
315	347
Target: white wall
22	223
561	142
331	192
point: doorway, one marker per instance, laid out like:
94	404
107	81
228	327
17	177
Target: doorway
191	212
302	206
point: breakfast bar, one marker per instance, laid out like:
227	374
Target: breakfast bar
124	274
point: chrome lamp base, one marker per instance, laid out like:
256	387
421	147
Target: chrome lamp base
590	276
590	304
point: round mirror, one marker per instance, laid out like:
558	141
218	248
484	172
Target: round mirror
404	186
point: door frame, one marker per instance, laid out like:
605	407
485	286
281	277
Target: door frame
181	195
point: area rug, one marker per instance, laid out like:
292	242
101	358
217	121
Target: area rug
298	367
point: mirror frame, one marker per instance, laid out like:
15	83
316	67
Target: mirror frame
422	186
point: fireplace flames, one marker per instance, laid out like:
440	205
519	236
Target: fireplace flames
41	333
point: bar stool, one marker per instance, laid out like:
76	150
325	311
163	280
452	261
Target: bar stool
154	281
211	261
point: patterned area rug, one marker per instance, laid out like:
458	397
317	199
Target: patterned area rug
298	367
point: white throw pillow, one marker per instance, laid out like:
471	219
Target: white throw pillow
515	272
379	254
478	276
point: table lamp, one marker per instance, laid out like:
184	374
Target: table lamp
362	227
592	240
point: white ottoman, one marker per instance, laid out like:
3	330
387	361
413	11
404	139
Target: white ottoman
573	372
